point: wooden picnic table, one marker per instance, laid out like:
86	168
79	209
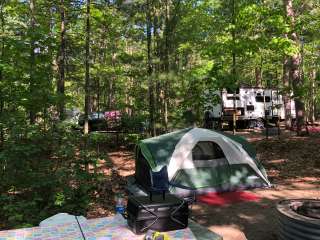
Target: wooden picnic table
109	228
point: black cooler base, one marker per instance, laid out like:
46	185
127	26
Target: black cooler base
160	214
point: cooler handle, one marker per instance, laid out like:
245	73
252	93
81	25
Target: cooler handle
163	195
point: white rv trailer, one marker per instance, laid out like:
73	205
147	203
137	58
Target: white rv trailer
251	105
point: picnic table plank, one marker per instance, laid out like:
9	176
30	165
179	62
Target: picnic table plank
108	228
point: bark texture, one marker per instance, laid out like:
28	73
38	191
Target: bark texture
286	94
61	63
87	74
150	70
32	114
295	74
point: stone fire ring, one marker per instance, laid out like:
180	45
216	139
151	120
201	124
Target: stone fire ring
299	219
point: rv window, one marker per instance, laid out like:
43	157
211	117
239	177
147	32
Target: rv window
259	98
267	99
207	151
250	108
231	98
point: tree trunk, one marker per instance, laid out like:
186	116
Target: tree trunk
32	114
2	47
103	85
286	94
87	74
313	94
110	93
157	67
61	63
150	80
111	82
299	105
258	74
98	94
167	32
295	61
233	35
233	67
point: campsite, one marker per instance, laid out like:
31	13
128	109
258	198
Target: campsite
159	119
293	172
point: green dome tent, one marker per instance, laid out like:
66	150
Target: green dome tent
199	160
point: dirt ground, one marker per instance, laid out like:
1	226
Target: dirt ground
293	167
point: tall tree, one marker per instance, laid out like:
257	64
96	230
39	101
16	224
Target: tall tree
32	114
150	69
295	74
87	69
2	48
286	92
61	62
313	75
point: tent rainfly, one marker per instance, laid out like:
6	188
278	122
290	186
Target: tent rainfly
198	160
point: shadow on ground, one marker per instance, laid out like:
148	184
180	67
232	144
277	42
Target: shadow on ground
251	220
293	166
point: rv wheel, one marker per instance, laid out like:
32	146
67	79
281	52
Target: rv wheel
260	123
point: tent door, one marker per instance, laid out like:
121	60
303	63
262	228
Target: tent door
211	165
211	168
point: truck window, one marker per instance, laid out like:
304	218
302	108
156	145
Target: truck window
267	99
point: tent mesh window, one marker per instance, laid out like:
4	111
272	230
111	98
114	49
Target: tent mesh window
142	174
207	151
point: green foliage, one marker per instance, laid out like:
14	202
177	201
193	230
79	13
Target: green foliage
43	173
136	123
132	139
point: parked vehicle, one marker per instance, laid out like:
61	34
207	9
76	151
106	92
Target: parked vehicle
96	120
250	106
110	120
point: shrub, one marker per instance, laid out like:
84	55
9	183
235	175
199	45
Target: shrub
43	172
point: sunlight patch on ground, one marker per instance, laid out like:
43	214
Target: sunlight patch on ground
229	232
247	217
278	161
123	162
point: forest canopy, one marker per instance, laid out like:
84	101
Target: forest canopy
150	58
